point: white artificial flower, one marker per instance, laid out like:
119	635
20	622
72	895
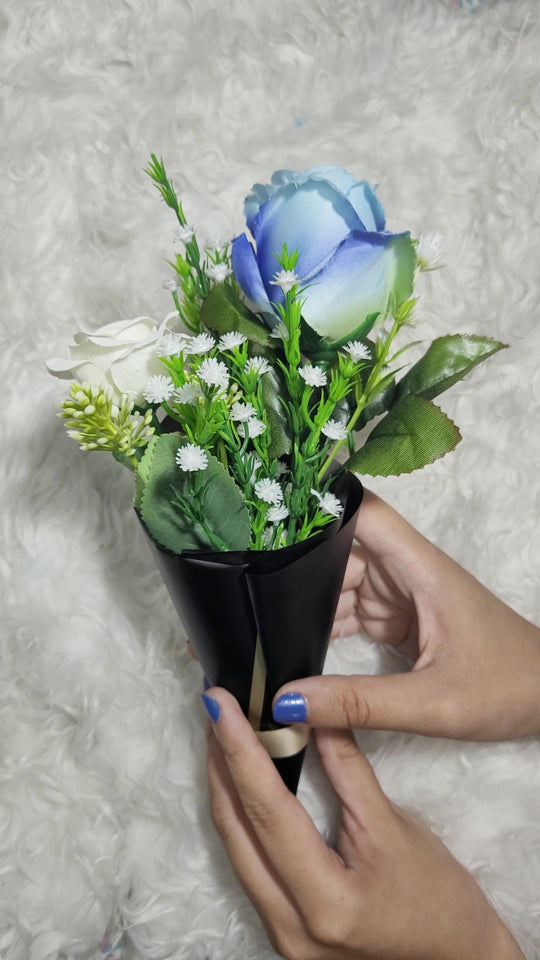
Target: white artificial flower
314	376
169	285
189	393
328	503
357	351
257	365
334	430
255	464
191	458
279	332
218	271
281	468
214	373
253	427
277	514
157	389
216	245
428	250
242	411
171	343
286	279
269	491
202	343
184	234
119	356
231	340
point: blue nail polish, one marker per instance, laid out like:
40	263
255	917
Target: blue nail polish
212	707
206	684
290	708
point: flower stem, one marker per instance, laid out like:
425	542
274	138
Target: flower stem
366	395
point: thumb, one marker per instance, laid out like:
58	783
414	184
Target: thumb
411	702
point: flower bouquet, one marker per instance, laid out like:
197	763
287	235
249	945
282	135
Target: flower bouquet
244	414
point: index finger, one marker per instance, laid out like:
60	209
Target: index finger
288	836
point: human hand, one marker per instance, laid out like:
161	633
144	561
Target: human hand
477	670
390	890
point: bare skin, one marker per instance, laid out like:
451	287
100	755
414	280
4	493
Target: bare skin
389	891
476	674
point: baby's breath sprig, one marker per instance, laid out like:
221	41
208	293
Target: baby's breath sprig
192	274
98	422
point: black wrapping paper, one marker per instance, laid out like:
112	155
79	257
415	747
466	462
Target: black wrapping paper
286	598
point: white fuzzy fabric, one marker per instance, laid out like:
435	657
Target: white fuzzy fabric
103	808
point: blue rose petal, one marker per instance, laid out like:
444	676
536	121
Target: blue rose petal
364	275
313	219
246	271
336	223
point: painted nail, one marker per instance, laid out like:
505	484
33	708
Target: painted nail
206	684
212	707
290	708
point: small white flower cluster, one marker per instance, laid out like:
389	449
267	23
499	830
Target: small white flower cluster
232	340
335	430
257	365
158	389
313	376
428	251
184	234
328	503
357	351
189	393
173	343
218	272
270	491
191	458
286	279
214	373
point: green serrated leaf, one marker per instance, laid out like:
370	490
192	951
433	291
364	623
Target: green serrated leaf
142	473
414	433
226	514
447	360
272	390
223	311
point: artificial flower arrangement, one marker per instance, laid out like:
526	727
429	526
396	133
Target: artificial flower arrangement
243	418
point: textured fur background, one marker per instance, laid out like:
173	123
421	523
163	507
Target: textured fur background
103	811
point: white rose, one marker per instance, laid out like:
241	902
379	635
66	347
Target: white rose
120	355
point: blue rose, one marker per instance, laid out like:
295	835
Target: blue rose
353	266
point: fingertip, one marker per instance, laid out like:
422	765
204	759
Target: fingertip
215	701
290	707
211	706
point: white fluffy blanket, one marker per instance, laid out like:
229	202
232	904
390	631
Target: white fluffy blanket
104	827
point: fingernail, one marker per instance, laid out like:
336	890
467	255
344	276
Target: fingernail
290	708
212	707
206	685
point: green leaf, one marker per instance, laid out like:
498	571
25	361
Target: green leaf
272	391
226	514
223	311
447	360
415	432
141	476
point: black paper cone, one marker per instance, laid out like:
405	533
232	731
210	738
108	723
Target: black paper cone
259	619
